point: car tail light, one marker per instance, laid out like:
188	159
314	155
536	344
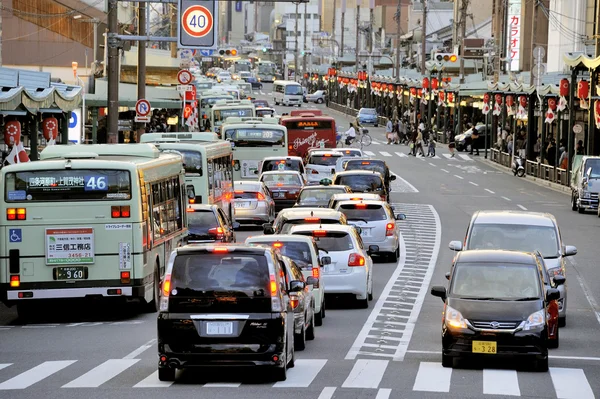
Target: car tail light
294	301
389	229
365	163
260	196
356	260
238	192
276	305
217	232
16	214
278	244
319	233
166	291
383	197
360	206
312	220
125	277
220	250
314	171
15	281
355	199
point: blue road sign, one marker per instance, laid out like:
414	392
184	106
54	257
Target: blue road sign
73	120
15	235
206	53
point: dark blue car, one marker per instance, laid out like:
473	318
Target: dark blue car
255	83
367	116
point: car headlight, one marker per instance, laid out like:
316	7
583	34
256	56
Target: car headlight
535	320
555	271
585	195
454	319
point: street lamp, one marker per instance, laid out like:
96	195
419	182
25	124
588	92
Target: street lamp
74	65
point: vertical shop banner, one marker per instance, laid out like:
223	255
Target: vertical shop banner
513	29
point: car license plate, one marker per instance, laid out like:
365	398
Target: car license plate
365	233
71	273
219	328
279	195
244	204
488	347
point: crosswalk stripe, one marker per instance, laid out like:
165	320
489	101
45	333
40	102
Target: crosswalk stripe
432	377
36	374
102	373
385	154
366	374
465	157
447	156
370	153
327	393
401	154
383	393
570	383
303	373
437	157
152	381
500	382
4	365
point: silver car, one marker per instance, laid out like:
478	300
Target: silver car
253	203
522	231
377	225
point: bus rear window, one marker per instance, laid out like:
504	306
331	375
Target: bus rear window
192	162
222	114
209	102
68	185
255	137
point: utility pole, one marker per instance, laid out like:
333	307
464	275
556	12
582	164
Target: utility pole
424	38
305	34
463	33
141	83
371	23
1	37
498	39
296	69
112	127
173	11
342	27
397	16
533	32
357	34
255	17
333	36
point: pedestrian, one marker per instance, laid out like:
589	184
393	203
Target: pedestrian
452	149
419	143
579	148
431	147
474	141
389	128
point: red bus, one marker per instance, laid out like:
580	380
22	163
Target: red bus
307	131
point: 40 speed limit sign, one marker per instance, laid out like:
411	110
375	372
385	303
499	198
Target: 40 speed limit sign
197	26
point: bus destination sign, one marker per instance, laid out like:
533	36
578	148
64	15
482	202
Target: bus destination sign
309	124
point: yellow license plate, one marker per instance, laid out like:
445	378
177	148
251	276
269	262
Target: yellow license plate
484	347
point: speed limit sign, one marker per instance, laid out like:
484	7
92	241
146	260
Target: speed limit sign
197	24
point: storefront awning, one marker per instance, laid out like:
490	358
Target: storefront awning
159	97
581	60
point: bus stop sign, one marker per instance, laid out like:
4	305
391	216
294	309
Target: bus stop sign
197	28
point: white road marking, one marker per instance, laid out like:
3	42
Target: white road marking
36	374
558	357
4	365
437	157
366	373
102	373
500	382
140	350
222	385
489	191
74	324
152	381
444	170
408	188
432	377
460	177
327	393
383	393
588	295
505	198
40	326
385	154
370	153
303	373
432	164
475	184
401	154
570	383
522	207
448	156
465	157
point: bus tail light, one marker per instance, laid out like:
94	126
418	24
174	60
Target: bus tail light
356	260
120	212
389	229
125	211
21	214
125	277
16	214
15	281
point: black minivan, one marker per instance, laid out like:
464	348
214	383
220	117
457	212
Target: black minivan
225	305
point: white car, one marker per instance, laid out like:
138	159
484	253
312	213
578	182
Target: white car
316	97
321	165
275	163
290	217
347	266
304	252
377	224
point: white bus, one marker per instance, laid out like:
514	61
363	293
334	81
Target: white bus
265	70
253	139
90	221
208	98
224	109
208	164
286	92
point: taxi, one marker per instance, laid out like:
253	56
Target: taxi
284	186
363	181
320	164
294	216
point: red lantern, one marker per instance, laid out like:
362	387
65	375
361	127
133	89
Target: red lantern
434	84
346	80
413	91
426	83
583	89
450	97
498	99
373	85
564	87
420	92
12	133
339	79
552	103
441	95
486	98
523	101
50	128
509	101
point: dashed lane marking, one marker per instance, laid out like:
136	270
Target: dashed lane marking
522	207
489	191
460	177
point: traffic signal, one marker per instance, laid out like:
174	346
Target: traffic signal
229	52
264	50
447	57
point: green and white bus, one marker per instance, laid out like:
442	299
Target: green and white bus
224	109
266	70
253	139
207	161
206	99
90	221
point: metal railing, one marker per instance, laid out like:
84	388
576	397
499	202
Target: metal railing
533	168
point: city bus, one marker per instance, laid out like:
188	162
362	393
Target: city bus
224	109
207	161
265	71
253	139
307	131
206	99
241	66
90	221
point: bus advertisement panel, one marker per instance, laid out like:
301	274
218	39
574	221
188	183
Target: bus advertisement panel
90	221
251	143
305	132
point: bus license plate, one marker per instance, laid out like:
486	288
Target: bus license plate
219	328
71	273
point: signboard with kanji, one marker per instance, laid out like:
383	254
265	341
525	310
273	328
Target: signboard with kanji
513	29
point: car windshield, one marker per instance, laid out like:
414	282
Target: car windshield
281	179
333	241
364	183
366	165
592	168
318	195
369	213
261	103
201	221
281	164
368	111
299	252
515	237
495	280
323	160
293	90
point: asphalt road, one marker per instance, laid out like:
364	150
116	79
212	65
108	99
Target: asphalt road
391	350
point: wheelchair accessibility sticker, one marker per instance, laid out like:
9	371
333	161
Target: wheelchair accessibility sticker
15	235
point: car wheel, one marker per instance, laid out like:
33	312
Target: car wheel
319	101
447	361
541	365
300	340
166	374
280	373
574	203
394	256
562	321
323	309
363	303
319	316
580	209
154	304
376	125
310	333
553	343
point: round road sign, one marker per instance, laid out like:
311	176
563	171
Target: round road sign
197	21
142	107
184	77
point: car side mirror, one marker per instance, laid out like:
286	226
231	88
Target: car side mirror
400	216
256	172
448	276
326	260
235	225
570	250
393	177
552	294
373	249
297	286
559	280
312	281
455	245
268	228
440	292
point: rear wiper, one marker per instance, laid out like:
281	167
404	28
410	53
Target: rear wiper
551	257
478	298
529	298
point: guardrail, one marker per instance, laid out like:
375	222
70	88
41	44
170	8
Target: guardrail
533	168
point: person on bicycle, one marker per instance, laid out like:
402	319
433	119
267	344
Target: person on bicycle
350	134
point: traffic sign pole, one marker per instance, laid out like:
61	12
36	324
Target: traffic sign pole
197	27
